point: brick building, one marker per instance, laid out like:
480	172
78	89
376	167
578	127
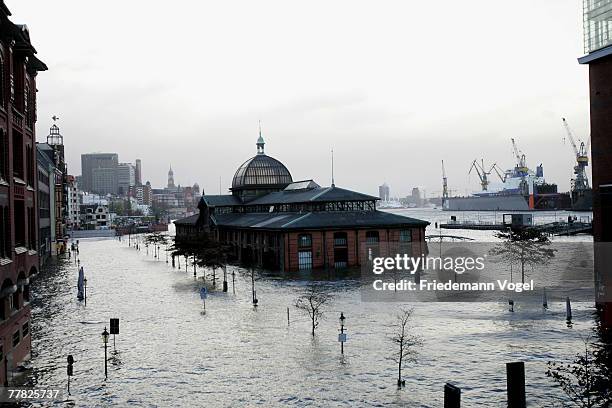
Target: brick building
18	189
271	221
598	46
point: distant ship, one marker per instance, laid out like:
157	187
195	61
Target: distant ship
389	204
521	190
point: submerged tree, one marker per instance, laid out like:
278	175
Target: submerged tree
528	247
206	253
313	303
157	239
407	343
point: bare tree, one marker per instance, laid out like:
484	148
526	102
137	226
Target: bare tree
407	342
313	302
586	381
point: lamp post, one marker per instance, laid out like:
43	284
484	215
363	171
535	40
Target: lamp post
342	335
105	340
85	286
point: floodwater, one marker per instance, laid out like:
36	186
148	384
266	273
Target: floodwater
171	353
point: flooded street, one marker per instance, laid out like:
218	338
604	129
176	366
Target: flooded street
168	350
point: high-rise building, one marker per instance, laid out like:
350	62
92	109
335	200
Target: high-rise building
138	174
93	161
18	190
598	49
384	192
104	180
126	177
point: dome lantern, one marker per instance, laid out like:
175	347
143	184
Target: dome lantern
260	142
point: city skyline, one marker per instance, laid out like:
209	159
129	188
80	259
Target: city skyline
386	94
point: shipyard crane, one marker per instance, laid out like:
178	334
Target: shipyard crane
500	173
483	175
444	185
521	162
580	182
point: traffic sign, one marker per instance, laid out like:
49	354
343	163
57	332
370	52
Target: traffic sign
203	293
114	326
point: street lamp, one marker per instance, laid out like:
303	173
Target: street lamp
85	285
105	340
342	335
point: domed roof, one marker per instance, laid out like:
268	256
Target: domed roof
261	171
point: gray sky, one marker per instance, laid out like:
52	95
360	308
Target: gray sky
392	86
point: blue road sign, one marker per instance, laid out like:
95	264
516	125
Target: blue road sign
203	293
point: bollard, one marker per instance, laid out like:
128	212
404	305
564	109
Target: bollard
568	309
452	396
511	304
515	380
544	300
287	316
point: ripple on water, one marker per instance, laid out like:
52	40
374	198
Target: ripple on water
237	356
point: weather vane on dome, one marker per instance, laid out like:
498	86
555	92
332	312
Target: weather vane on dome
55	118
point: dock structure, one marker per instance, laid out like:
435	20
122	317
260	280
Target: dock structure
557	228
451	237
566	228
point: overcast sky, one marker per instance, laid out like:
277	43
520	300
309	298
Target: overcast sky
392	86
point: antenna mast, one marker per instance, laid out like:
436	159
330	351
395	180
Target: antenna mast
333	184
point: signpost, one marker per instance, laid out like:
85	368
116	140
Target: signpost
203	295
342	335
69	370
114	329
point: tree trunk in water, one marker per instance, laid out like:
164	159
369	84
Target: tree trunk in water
399	371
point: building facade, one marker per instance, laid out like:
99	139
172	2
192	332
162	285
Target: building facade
126	178
598	49
271	221
94	216
106	179
73	220
142	194
46	207
138	174
384	192
18	190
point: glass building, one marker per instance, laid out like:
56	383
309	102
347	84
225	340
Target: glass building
597	24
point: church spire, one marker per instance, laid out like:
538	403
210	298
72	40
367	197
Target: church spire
260	142
170	178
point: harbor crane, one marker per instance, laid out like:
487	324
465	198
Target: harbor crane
500	173
483	175
444	185
580	182
521	162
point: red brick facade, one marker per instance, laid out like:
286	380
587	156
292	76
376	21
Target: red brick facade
324	247
18	181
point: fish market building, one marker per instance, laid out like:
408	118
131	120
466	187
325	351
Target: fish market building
272	221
